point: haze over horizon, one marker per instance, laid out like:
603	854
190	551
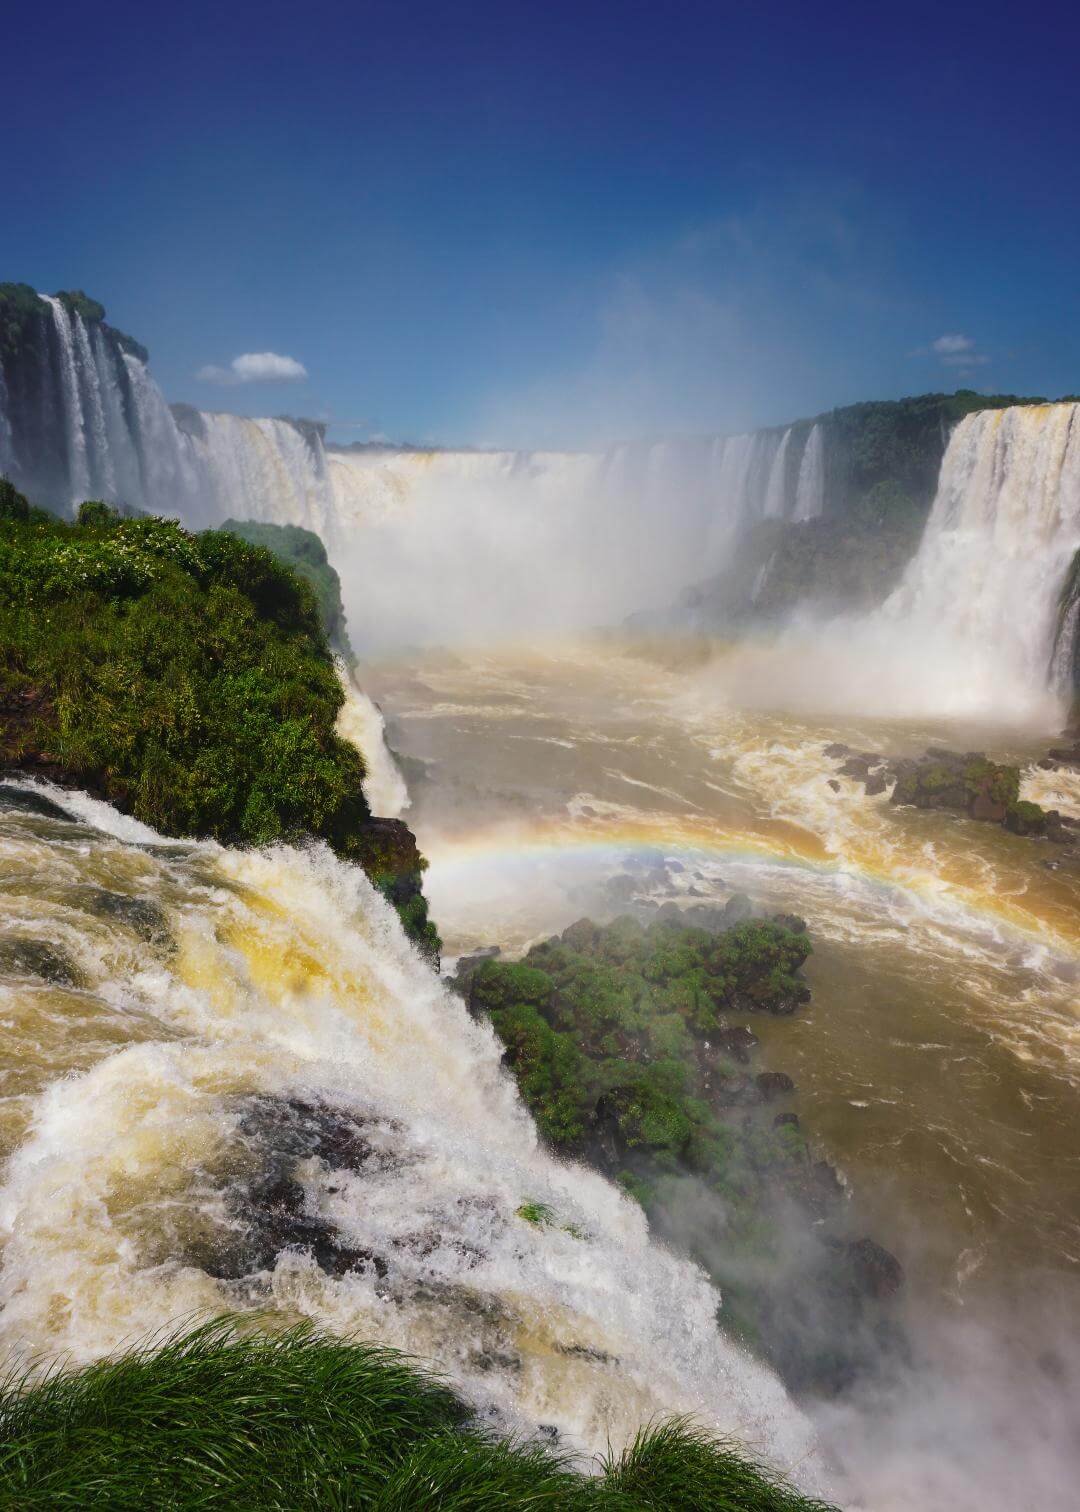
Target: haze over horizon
537	226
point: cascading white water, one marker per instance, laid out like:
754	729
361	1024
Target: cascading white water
810	486
360	721
7	438
1003	530
266	470
272	990
776	488
78	462
970	631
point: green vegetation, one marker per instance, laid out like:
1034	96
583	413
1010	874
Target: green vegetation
624	1043
883	456
217	1418
615	1036
78	303
21	307
303	551
187	679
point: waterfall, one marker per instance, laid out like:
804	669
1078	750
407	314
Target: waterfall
810	487
1002	533
776	489
256	1023
8	460
360	721
78	463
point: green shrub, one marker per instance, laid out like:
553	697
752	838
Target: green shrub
303	551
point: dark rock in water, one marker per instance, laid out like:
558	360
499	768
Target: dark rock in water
834	784
773	1084
39	959
145	917
268	1207
794	922
1066	755
856	766
1025	819
705	916
738	909
1055	828
876	1272
25	801
786	1121
875	784
739	1043
837	751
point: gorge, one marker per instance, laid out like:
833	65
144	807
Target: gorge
610	681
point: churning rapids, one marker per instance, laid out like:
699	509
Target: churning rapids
938	1062
181	1019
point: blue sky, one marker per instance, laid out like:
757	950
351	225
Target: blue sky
556	223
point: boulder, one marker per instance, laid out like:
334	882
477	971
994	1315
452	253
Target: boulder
738	1042
772	1084
875	784
875	1271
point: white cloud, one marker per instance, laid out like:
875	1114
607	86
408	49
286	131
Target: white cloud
254	367
953	344
953	350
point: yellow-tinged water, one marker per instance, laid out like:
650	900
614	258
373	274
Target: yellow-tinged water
939	1062
154	1067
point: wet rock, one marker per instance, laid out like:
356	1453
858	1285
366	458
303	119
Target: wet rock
1066	755
738	1042
25	801
738	909
875	784
772	1084
1057	828
141	915
461	981
856	766
1025	819
794	922
876	1272
837	751
37	958
834	784
267	1204
985	807
705	916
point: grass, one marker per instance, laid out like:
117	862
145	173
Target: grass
220	1418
